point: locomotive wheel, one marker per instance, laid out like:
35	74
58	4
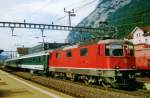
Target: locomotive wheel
111	82
106	85
86	82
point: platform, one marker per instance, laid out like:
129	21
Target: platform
15	87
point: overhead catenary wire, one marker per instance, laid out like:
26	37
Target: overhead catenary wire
42	7
78	8
87	4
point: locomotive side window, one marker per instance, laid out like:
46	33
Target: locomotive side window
57	55
99	50
83	52
107	50
69	53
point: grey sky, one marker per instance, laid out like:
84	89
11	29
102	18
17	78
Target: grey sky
39	11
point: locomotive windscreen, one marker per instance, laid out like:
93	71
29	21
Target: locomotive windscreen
119	50
129	49
114	50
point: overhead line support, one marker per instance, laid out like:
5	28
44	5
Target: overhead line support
54	27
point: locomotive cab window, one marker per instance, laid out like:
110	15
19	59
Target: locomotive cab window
131	50
107	50
83	52
117	50
114	50
69	53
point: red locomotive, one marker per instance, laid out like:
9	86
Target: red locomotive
142	58
110	62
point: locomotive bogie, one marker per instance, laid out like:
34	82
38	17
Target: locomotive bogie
106	61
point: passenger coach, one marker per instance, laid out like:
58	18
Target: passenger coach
33	62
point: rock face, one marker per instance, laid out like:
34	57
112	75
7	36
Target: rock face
102	11
110	9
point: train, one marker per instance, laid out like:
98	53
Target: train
104	62
142	59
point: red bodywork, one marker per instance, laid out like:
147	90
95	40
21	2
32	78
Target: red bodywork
96	59
142	55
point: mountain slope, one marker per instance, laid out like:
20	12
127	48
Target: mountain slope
123	14
137	13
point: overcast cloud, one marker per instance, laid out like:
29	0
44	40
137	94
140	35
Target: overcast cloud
39	11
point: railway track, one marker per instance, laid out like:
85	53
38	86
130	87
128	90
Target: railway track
143	80
81	90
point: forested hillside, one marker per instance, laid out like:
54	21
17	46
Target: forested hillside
123	14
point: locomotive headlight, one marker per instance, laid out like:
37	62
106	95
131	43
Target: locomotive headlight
117	67
134	67
118	72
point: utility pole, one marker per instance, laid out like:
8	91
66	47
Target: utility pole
42	30
70	14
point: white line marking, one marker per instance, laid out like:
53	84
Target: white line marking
34	87
96	69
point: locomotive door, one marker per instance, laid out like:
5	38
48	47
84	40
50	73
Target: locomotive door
100	58
46	62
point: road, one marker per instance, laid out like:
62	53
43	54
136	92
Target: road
14	87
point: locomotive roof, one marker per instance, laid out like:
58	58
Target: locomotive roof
95	42
73	46
117	41
31	55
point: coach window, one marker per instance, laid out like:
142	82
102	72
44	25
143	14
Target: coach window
34	59
83	52
43	57
22	60
39	59
69	53
57	55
